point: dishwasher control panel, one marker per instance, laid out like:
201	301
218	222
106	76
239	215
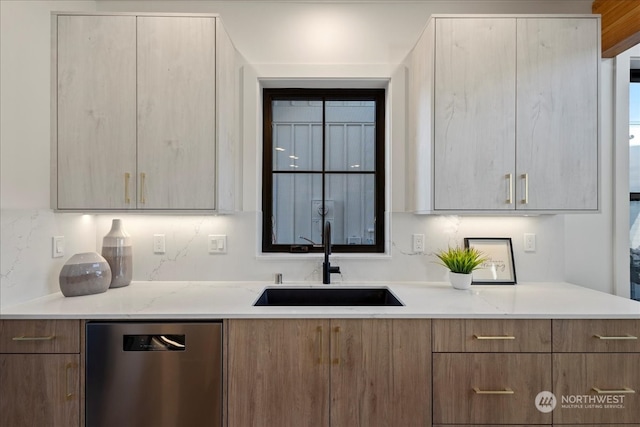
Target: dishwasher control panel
153	343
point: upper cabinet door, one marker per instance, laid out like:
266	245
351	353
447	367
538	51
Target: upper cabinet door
96	115
176	112
474	133
557	119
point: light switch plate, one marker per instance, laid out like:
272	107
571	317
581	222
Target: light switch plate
217	244
418	243
529	242
57	246
159	244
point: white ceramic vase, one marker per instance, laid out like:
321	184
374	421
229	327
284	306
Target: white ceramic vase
117	250
460	281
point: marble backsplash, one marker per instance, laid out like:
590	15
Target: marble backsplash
27	269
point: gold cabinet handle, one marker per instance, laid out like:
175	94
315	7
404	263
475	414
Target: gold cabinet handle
619	337
623	390
336	361
69	394
494	337
506	390
127	178
24	338
509	177
320	340
143	177
525	177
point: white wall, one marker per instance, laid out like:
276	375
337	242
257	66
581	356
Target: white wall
283	41
597	250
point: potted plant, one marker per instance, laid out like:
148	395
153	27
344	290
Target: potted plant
461	262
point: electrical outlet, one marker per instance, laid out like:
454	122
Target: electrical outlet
57	246
217	244
418	243
158	244
529	242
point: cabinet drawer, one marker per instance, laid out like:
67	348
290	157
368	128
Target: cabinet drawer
40	336
596	335
596	388
476	388
491	335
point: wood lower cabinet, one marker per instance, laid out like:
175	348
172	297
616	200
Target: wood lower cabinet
277	372
365	372
599	388
486	388
596	375
380	373
40	373
39	390
489	371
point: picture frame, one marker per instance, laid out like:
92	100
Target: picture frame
499	268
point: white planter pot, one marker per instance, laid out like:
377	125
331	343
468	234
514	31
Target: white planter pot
460	280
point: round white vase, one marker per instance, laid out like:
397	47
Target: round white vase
460	280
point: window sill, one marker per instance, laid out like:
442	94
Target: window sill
263	256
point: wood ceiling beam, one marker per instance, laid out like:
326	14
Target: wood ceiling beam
620	25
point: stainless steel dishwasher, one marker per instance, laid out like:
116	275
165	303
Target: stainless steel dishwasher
141	374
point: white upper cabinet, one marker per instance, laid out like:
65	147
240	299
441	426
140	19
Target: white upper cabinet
176	112
475	112
141	128
95	142
503	115
557	114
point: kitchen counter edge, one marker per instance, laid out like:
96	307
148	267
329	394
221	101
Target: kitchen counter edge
199	300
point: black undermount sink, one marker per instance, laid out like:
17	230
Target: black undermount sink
327	297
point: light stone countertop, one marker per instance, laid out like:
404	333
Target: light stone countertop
218	300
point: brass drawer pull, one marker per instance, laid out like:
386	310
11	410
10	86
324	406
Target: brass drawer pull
525	177
620	337
494	337
506	390
320	339
69	384
624	390
127	178
336	361
143	178
23	338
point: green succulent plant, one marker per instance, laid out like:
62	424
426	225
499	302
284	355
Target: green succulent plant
461	260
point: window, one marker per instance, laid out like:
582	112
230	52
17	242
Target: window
323	160
634	182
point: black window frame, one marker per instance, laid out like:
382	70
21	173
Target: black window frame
634	77
275	94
